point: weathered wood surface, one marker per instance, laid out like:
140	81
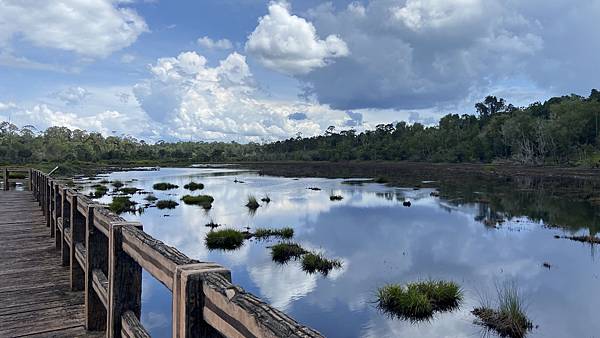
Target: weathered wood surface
34	288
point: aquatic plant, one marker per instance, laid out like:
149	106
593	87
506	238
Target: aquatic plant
166	204
121	204
284	252
585	239
313	262
151	198
99	191
204	201
164	186
252	202
226	239
419	301
212	224
266	199
336	197
263	233
129	190
104	181
508	319
193	186
118	184
314	188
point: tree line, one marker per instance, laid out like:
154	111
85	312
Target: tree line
563	130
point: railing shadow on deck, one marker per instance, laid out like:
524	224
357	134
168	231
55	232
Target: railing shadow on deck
106	254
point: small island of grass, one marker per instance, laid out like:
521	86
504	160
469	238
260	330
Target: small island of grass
252	202
129	190
283	233
151	198
166	204
284	252
99	191
121	204
164	186
193	186
226	239
117	184
336	197
315	262
204	201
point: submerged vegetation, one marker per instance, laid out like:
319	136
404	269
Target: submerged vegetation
283	233
193	186
164	186
226	239
121	204
166	204
419	301
284	252
313	262
204	201
508	318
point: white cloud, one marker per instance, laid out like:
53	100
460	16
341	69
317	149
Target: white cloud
195	100
127	58
7	106
94	28
209	43
72	95
290	44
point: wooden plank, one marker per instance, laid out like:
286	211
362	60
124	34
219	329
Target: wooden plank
132	328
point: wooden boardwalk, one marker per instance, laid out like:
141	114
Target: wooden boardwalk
35	300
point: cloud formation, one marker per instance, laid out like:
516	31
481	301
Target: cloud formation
94	28
72	95
290	44
209	43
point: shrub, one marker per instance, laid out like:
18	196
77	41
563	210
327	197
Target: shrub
252	202
166	204
226	239
283	233
193	186
283	252
121	204
313	262
204	201
164	186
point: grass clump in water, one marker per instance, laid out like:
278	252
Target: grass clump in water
252	202
99	191
313	262
118	184
226	239
129	190
336	197
284	252
283	233
164	186
212	224
166	204
419	301
508	319
266	199
204	201
193	186
121	204
151	198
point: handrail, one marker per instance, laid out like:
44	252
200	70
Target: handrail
106	254
6	175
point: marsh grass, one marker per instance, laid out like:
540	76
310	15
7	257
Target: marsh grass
283	252
266	199
193	186
283	233
508	318
121	204
151	198
99	191
226	239
164	186
104	181
333	197
129	190
584	239
118	184
419	301
252	202
204	201
166	204
314	188
212	224
316	262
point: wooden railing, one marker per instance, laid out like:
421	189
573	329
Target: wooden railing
106	254
6	175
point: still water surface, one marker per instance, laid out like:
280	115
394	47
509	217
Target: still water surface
379	241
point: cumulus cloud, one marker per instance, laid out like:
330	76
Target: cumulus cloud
209	43
356	119
94	28
72	95
196	100
290	44
297	116
7	106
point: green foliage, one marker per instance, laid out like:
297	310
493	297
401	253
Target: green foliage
283	233
284	252
166	204
129	190
17	176
164	186
313	262
193	186
121	204
419	301
118	184
204	201
99	191
226	239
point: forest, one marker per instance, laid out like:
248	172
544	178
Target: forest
561	131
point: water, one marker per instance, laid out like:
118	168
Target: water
379	242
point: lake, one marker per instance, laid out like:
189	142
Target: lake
479	242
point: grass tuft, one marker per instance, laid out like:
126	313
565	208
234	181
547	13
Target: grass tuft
226	239
129	190
204	201
252	202
266	199
313	262
419	301
212	224
151	198
118	184
166	204
283	233
164	186
121	204
336	197
284	252
99	191
193	186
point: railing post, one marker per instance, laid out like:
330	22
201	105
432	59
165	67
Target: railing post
66	220
124	282
5	179
77	236
47	200
52	211
30	176
188	300
96	258
57	215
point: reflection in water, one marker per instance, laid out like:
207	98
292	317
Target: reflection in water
380	242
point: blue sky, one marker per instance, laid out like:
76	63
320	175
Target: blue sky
252	70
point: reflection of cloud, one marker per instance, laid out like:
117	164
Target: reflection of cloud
282	284
153	320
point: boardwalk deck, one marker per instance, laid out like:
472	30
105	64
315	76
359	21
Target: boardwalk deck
35	296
